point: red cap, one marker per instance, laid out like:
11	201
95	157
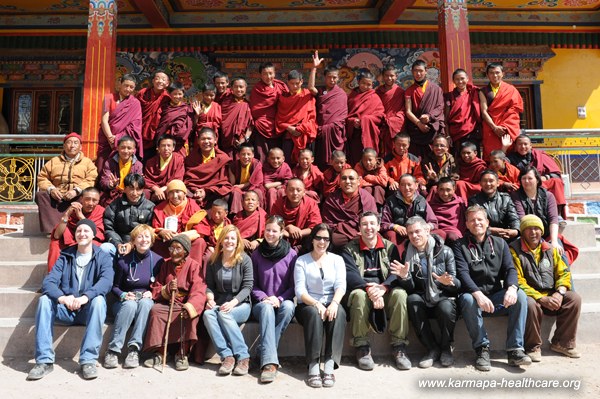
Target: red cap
72	134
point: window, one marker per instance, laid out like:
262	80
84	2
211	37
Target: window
42	111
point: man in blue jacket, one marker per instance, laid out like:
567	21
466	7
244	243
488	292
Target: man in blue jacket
74	293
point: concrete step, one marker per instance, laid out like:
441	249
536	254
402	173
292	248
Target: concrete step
580	234
17	336
588	261
22	273
588	286
18	302
20	247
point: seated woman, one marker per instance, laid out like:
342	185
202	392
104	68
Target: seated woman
273	293
533	199
116	169
229	283
180	281
133	275
320	284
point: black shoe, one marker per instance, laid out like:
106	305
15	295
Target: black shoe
446	358
89	371
399	354
518	358
364	358
482	363
431	357
39	371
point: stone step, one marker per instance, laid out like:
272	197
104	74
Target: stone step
588	261
22	273
581	234
18	302
20	247
588	286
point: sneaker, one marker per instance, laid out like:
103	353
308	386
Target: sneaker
399	354
428	360
482	363
535	355
328	380
154	361
89	371
569	352
364	358
242	366
446	358
268	373
133	358
181	362
111	359
39	371
518	358
227	366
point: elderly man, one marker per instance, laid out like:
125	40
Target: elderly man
370	283
342	208
428	275
61	181
74	293
489	284
546	280
300	212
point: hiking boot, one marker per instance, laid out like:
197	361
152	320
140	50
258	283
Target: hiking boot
181	362
227	366
482	363
268	373
446	358
154	361
111	359
39	371
364	358
518	358
535	355
133	358
89	371
242	366
569	352
428	360
399	354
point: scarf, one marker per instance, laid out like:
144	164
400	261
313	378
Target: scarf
432	292
274	253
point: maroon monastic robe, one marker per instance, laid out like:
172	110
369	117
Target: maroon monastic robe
331	180
206	228
431	102
393	104
177	121
251	226
212	118
263	103
463	114
504	108
342	216
219	97
450	216
300	111
470	174
212	176
160	178
313	181
305	216
152	105
368	108
237	119
271	175
332	111
256	183
111	168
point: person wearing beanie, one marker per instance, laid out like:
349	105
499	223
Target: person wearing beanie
62	180
546	280
71	300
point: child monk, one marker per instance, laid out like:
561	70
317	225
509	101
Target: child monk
449	209
310	175
276	173
211	226
373	175
245	173
470	168
508	175
251	220
331	176
116	168
402	162
236	127
177	118
437	163
208	111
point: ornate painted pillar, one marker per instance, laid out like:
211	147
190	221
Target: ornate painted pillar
455	45
100	64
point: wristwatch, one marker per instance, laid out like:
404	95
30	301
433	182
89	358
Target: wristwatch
561	292
64	220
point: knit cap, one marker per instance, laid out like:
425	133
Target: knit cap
88	223
531	221
184	241
176	185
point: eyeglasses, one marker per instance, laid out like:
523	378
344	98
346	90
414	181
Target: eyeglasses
321	238
175	249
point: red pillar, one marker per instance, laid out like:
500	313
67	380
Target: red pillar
455	45
100	64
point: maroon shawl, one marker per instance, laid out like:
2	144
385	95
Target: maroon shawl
152	105
431	103
237	119
263	103
332	111
341	217
125	119
463	114
211	176
156	177
366	106
176	121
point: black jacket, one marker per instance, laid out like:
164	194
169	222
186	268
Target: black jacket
500	209
120	217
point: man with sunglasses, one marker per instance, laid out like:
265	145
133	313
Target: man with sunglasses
372	295
489	283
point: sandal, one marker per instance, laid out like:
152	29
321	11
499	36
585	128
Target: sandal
314	381
328	380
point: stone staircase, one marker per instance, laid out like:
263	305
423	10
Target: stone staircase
23	266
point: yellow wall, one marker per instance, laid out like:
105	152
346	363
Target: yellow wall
571	80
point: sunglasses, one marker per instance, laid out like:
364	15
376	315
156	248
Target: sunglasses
320	238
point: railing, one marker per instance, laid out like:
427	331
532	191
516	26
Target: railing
578	153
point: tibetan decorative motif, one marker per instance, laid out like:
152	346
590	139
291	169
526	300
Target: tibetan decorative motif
102	13
17	179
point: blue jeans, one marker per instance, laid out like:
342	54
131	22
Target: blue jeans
125	313
272	323
517	316
91	315
109	249
224	330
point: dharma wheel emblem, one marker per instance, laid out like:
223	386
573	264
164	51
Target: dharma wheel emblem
16	179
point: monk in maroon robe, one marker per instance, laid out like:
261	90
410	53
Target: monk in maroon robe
331	175
508	175
206	170
310	175
153	99
342	209
211	226
462	111
263	104
121	116
236	127
300	213
251	221
365	115
501	108
332	111
63	236
373	175
177	119
116	168
449	209
221	83
276	173
470	168
245	174
208	112
392	97
162	168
